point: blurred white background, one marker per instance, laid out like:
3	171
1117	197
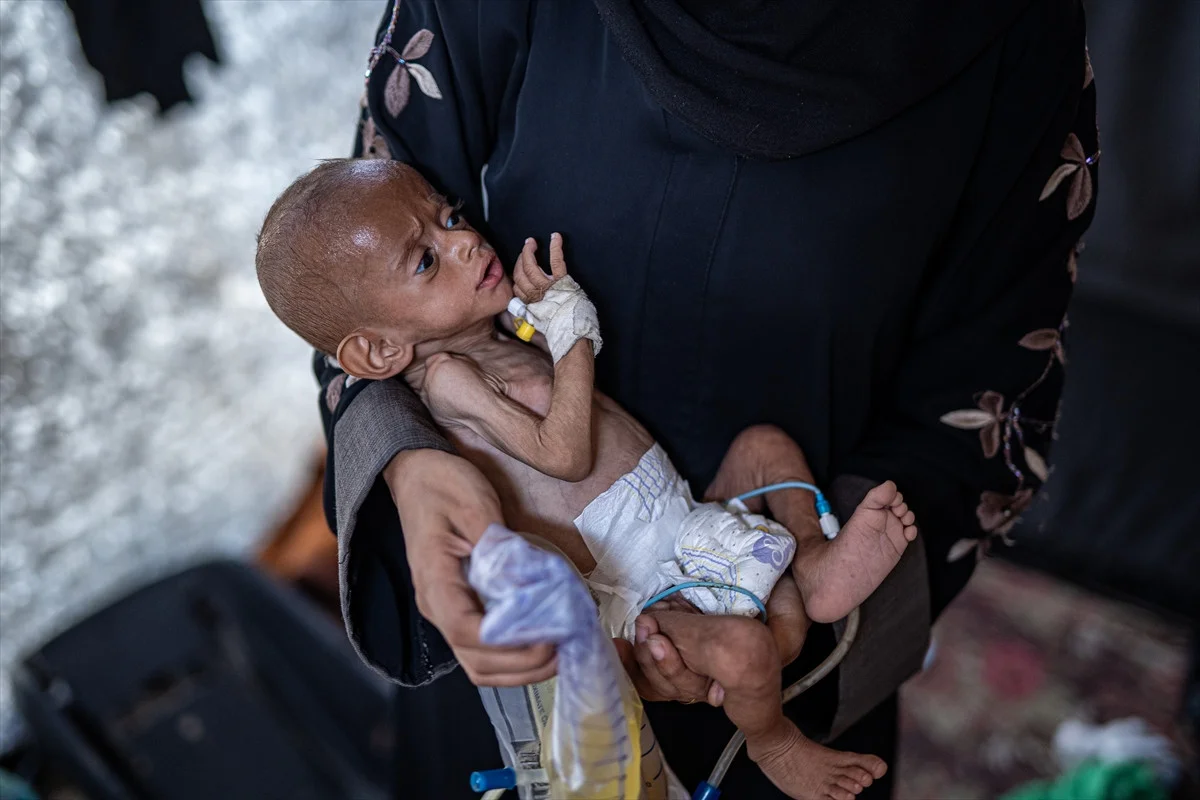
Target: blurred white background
152	410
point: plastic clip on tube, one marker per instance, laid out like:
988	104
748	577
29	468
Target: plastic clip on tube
829	522
524	330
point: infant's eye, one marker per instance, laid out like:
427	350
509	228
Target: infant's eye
453	219
426	262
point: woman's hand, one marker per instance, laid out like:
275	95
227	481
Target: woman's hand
655	666
445	505
658	672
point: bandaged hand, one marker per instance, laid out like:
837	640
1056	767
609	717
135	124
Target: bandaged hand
556	305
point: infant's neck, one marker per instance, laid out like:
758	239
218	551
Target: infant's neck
466	342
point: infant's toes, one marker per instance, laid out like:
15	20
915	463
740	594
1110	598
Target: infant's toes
848	783
881	496
835	792
859	775
900	509
908	518
868	763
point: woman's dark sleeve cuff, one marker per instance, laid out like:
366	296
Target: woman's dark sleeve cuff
377	599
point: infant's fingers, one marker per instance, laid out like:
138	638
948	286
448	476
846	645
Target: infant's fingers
535	278
530	268
558	264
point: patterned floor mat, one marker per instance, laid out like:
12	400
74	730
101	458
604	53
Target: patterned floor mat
1016	654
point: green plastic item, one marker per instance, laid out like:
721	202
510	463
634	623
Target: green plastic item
1094	780
13	788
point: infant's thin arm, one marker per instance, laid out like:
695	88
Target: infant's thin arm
559	444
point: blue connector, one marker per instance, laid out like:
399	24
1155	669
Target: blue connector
487	779
706	791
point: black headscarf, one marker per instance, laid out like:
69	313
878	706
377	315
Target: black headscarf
781	78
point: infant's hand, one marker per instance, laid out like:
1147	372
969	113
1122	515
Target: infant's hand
529	281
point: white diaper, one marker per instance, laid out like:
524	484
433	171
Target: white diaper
648	534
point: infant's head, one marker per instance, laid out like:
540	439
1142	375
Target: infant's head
367	262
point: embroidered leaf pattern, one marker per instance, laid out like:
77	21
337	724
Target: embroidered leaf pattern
368	137
961	548
373	145
987	419
997	512
1073	265
1037	464
396	90
418	45
1088	77
968	419
1041	339
425	81
1072	149
1079	195
1056	178
379	148
334	392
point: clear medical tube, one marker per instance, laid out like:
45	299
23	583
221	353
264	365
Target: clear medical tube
790	693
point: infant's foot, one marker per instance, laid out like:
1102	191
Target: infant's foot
805	770
836	577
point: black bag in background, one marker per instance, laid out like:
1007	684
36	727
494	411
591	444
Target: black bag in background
214	683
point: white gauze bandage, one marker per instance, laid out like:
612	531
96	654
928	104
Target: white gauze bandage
564	316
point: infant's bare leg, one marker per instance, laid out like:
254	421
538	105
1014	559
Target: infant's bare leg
762	455
739	653
833	577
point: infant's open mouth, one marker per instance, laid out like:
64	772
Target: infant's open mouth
492	274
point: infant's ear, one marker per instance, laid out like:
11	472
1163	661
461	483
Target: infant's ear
371	355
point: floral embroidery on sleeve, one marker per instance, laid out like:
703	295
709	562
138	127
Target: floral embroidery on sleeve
1079	196
373	145
395	93
396	90
1004	430
399	83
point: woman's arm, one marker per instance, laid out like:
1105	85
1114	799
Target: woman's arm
970	411
406	605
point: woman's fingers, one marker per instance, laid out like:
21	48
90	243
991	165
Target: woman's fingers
665	673
497	666
654	686
688	685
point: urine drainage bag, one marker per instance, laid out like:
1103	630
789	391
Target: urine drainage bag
585	727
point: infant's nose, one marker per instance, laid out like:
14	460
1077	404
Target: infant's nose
466	246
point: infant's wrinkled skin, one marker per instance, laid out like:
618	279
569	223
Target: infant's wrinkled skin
424	289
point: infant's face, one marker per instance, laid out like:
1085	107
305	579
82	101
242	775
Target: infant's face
426	269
